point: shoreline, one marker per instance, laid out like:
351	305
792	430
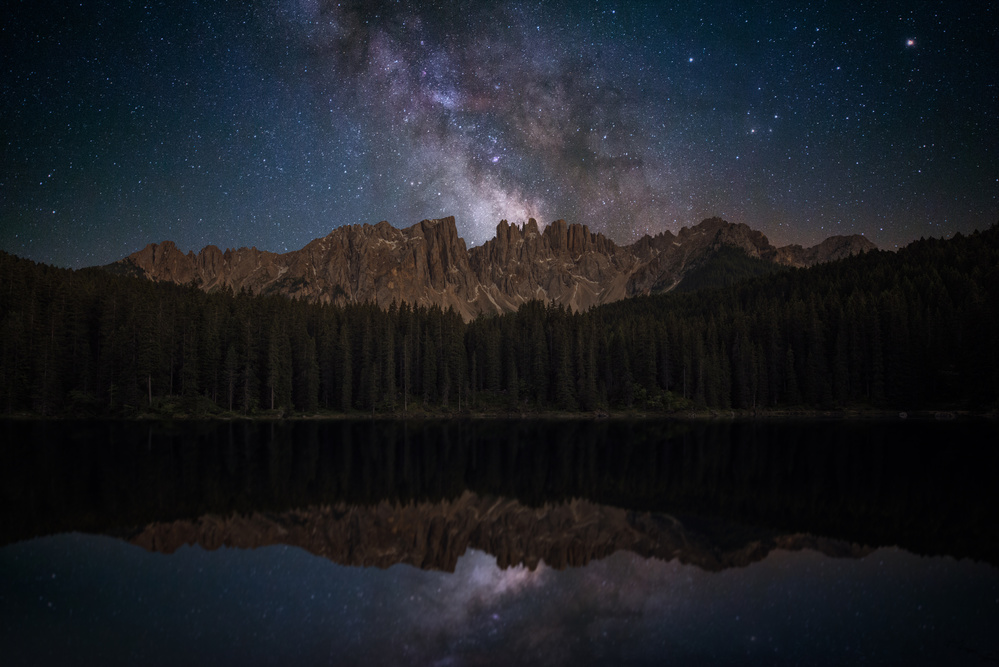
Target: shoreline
789	414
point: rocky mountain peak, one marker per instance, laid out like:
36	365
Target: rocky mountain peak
429	264
829	250
434	535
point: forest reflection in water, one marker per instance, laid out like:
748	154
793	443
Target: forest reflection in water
704	541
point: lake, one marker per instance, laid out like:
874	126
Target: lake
475	542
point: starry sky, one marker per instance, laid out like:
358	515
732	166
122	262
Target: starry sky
268	123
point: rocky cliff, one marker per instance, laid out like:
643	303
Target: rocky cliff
434	535
833	248
428	264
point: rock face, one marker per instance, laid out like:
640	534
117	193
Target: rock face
833	248
434	535
428	264
566	264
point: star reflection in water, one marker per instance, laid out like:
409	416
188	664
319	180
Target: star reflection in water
488	543
77	595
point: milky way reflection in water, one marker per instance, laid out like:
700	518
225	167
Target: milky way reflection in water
745	583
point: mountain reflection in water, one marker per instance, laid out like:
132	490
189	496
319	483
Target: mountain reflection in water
702	542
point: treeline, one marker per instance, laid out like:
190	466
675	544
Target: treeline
907	330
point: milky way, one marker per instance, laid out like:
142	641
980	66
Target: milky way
270	123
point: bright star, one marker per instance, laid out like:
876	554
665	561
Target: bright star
910	42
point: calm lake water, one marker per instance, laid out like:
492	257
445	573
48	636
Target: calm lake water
499	542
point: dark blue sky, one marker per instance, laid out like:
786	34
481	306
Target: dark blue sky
270	123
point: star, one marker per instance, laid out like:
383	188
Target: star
910	42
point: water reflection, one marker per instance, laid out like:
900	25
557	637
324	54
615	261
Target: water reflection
702	543
434	535
74	596
928	487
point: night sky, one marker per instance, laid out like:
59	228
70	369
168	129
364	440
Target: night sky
269	123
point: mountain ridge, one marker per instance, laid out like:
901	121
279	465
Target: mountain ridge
429	264
433	535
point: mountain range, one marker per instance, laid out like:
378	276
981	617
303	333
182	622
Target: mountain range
433	535
429	264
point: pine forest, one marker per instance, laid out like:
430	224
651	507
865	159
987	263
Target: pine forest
908	330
